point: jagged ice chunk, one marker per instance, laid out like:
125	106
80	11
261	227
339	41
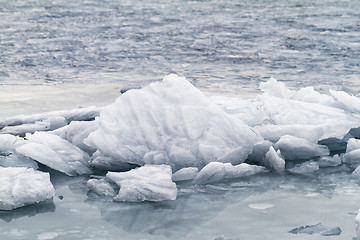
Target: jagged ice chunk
294	148
171	122
23	186
56	153
274	160
146	183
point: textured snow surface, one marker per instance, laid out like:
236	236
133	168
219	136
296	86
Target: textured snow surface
23	186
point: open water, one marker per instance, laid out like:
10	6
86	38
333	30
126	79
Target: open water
225	45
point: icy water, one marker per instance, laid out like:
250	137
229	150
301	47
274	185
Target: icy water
67	54
223	46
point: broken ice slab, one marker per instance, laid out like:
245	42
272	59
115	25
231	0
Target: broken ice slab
329	161
350	103
274	160
352	157
332	232
317	229
76	132
294	148
48	124
146	183
352	145
170	122
16	160
101	187
259	150
23	186
185	174
304	168
8	156
56	153
308	107
79	114
216	171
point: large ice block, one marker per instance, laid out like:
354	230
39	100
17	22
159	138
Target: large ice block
22	186
171	122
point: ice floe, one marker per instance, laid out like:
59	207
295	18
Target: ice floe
8	155
80	114
185	174
329	161
317	229
169	132
55	152
147	183
294	148
101	187
305	168
23	186
217	171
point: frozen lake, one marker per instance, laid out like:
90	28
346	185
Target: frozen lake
66	55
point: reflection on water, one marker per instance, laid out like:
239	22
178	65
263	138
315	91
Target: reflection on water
28	211
225	209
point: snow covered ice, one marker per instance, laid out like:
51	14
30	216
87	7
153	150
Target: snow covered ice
23	186
294	148
55	152
171	122
169	143
274	160
147	183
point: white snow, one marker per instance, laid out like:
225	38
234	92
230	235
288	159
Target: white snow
23	186
146	183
